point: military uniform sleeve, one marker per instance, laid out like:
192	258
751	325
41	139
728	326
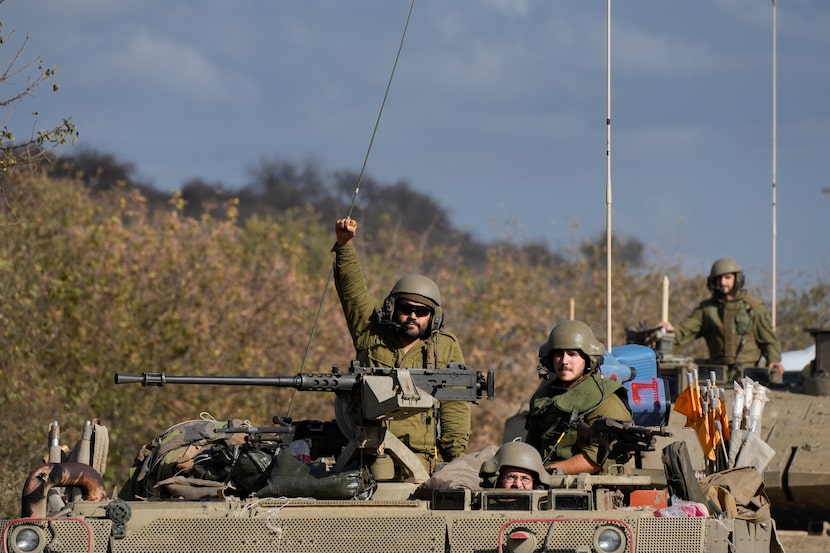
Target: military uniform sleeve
765	336
688	330
455	429
455	415
350	283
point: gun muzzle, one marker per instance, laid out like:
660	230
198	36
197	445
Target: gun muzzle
146	379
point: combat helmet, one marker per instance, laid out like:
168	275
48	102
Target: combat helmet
574	335
725	266
417	288
519	455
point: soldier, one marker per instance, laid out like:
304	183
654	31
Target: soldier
736	326
573	391
406	331
515	465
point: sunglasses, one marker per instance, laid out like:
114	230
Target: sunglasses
407	308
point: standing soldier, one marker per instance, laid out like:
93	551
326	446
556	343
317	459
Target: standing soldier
406	331
736	325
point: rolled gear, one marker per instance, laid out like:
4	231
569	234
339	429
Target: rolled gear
290	477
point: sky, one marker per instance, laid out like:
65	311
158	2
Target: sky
497	109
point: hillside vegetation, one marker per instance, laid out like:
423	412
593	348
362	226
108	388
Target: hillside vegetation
100	281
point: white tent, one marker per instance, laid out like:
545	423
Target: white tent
794	361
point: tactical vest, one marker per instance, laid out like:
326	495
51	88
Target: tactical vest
728	330
556	414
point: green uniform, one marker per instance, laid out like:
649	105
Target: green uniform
736	331
554	410
378	345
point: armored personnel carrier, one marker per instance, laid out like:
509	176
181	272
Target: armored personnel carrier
228	486
798	477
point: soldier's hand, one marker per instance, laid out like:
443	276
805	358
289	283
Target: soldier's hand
667	326
345	229
777	367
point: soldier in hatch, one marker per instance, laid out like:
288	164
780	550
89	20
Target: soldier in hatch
736	326
406	331
573	391
516	465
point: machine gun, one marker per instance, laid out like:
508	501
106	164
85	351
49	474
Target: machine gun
367	396
618	439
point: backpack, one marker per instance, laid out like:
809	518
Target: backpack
194	449
196	460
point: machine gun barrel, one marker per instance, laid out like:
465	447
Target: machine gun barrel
307	382
455	383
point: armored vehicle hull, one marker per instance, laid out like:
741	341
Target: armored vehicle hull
305	525
285	506
797	479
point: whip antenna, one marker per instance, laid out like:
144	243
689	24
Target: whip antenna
354	195
608	201
380	112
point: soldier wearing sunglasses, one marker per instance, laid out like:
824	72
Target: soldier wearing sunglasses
405	331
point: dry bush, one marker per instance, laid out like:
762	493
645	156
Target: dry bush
98	285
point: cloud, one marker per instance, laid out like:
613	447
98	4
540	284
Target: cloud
648	50
657	140
165	64
511	7
479	64
62	10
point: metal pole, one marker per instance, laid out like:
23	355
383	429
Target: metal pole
609	270
774	167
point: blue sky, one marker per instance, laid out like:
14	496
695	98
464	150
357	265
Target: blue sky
497	108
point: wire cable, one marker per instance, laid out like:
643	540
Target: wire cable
354	195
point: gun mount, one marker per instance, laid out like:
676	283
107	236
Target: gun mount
618	439
367	397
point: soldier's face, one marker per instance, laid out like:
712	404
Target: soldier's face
413	318
568	364
726	283
514	477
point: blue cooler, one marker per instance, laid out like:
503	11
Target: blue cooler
635	367
642	359
613	369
